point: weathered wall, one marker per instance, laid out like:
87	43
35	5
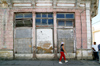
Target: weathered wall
81	30
23	56
6	54
84	50
6	33
84	54
9	28
1	28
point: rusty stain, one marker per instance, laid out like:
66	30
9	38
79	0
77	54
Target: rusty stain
77	52
41	26
37	26
46	45
44	26
30	46
4	4
45	50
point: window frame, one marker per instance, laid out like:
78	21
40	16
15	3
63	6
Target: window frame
66	19
45	18
65	15
23	19
65	23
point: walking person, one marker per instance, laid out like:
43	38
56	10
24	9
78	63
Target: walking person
99	47
62	50
99	52
95	51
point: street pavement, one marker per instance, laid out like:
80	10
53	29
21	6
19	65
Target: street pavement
48	63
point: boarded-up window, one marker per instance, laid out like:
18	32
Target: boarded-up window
65	24
23	40
23	20
23	33
66	35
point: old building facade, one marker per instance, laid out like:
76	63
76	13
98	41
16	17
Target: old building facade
34	29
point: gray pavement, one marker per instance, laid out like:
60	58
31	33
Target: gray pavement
48	63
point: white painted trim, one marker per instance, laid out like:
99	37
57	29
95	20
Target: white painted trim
43	4
72	5
66	1
43	1
82	5
22	4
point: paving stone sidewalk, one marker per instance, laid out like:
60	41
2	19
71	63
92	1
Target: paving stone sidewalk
48	63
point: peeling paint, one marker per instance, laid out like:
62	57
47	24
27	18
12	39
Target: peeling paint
44	41
44	50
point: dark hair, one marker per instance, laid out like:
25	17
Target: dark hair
62	44
94	42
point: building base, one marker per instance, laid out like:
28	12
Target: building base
80	54
84	54
6	54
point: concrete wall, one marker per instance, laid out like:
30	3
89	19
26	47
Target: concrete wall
6	54
84	54
6	33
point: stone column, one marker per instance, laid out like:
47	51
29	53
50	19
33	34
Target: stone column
55	36
89	30
33	35
88	25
